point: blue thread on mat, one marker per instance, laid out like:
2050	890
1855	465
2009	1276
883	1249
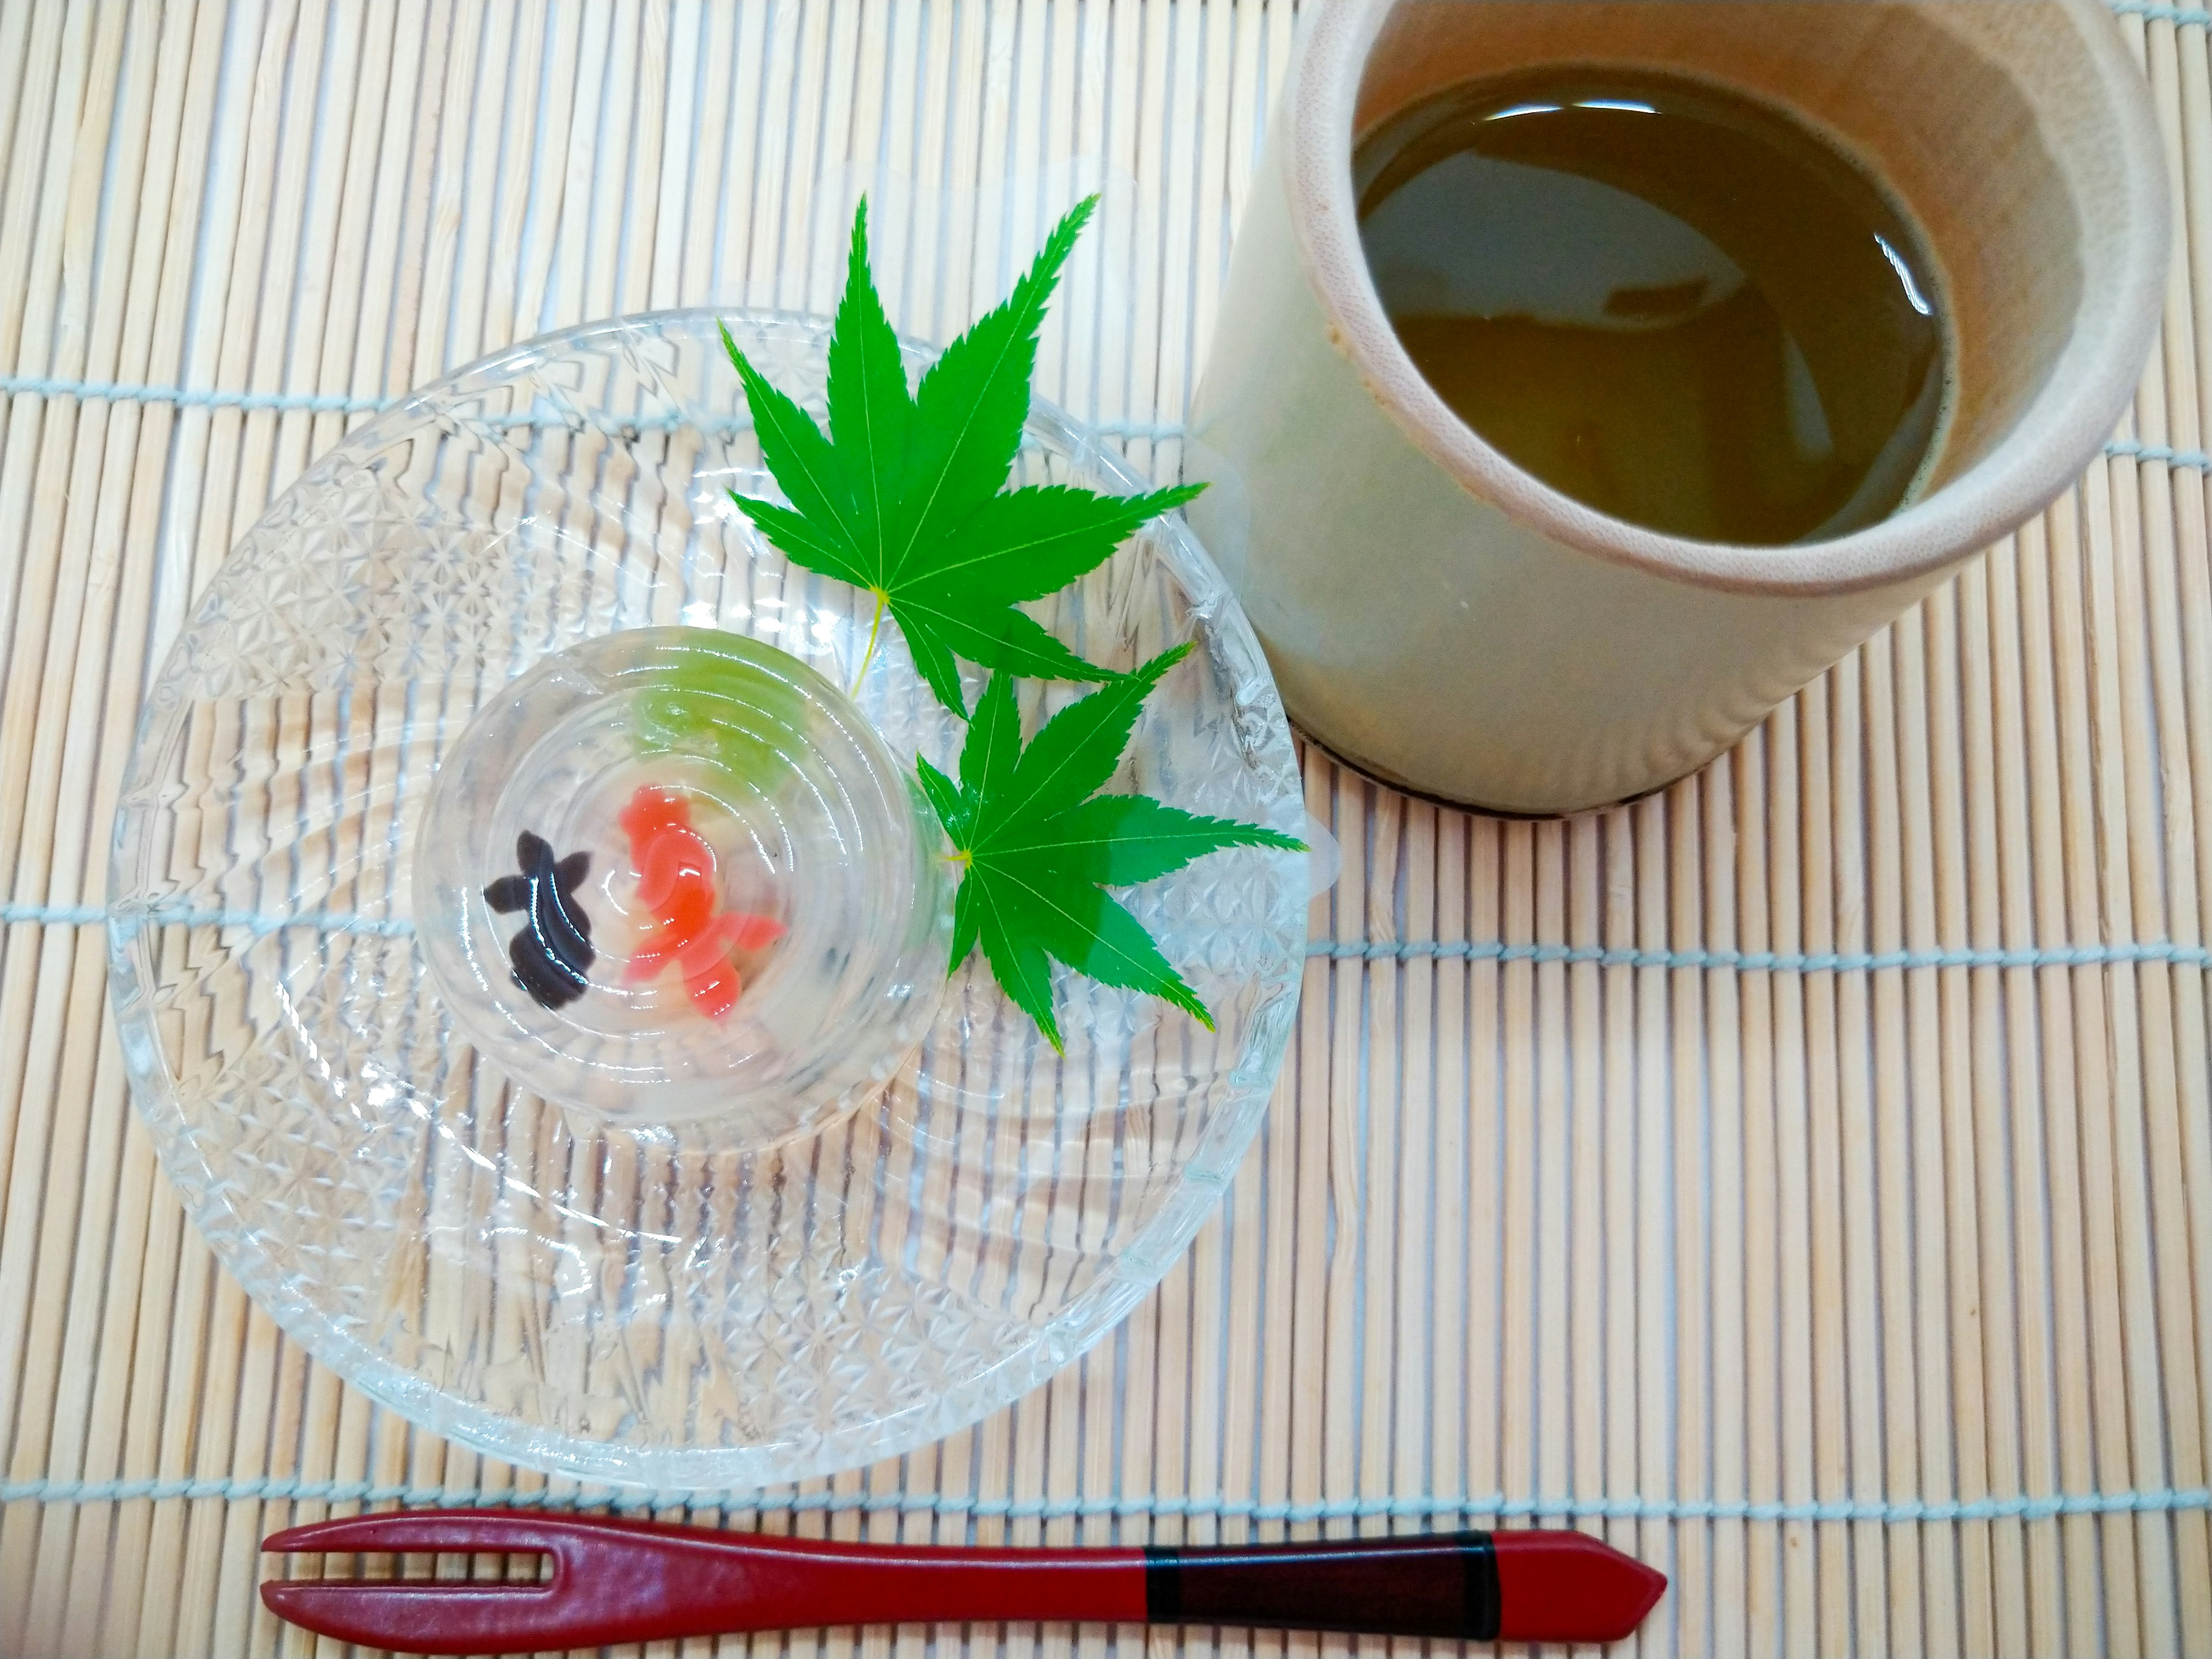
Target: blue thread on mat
55	916
2126	450
2194	15
258	921
1766	962
2125	953
1901	1512
306	403
303	403
1149	431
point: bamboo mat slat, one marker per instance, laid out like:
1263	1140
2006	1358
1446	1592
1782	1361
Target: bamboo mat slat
1802	1179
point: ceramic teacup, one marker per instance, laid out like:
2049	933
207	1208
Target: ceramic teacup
1452	624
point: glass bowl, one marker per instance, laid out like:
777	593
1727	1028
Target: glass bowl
764	994
598	1287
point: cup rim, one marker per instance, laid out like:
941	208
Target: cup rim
2060	432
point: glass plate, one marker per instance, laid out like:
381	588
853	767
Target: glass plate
645	1304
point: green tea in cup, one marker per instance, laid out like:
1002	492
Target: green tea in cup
1665	298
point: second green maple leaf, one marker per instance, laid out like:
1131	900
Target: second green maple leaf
1039	847
903	496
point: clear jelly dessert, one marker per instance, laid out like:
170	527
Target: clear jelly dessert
672	874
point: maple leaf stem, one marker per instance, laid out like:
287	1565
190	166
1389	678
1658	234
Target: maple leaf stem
875	634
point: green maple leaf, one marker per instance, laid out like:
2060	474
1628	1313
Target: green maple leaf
1039	847
902	496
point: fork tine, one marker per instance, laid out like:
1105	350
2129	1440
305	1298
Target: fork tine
426	1616
448	1530
432	1615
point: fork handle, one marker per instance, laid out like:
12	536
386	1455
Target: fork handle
1525	1586
617	1580
1472	1586
1442	1585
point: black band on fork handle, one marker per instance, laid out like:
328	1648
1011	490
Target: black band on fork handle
1441	1585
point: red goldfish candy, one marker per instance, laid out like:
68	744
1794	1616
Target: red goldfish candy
676	870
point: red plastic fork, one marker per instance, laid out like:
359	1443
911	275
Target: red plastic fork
632	1581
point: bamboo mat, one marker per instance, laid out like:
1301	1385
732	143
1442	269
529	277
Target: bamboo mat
1803	1178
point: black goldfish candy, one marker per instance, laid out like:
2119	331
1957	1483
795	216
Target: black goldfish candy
552	954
